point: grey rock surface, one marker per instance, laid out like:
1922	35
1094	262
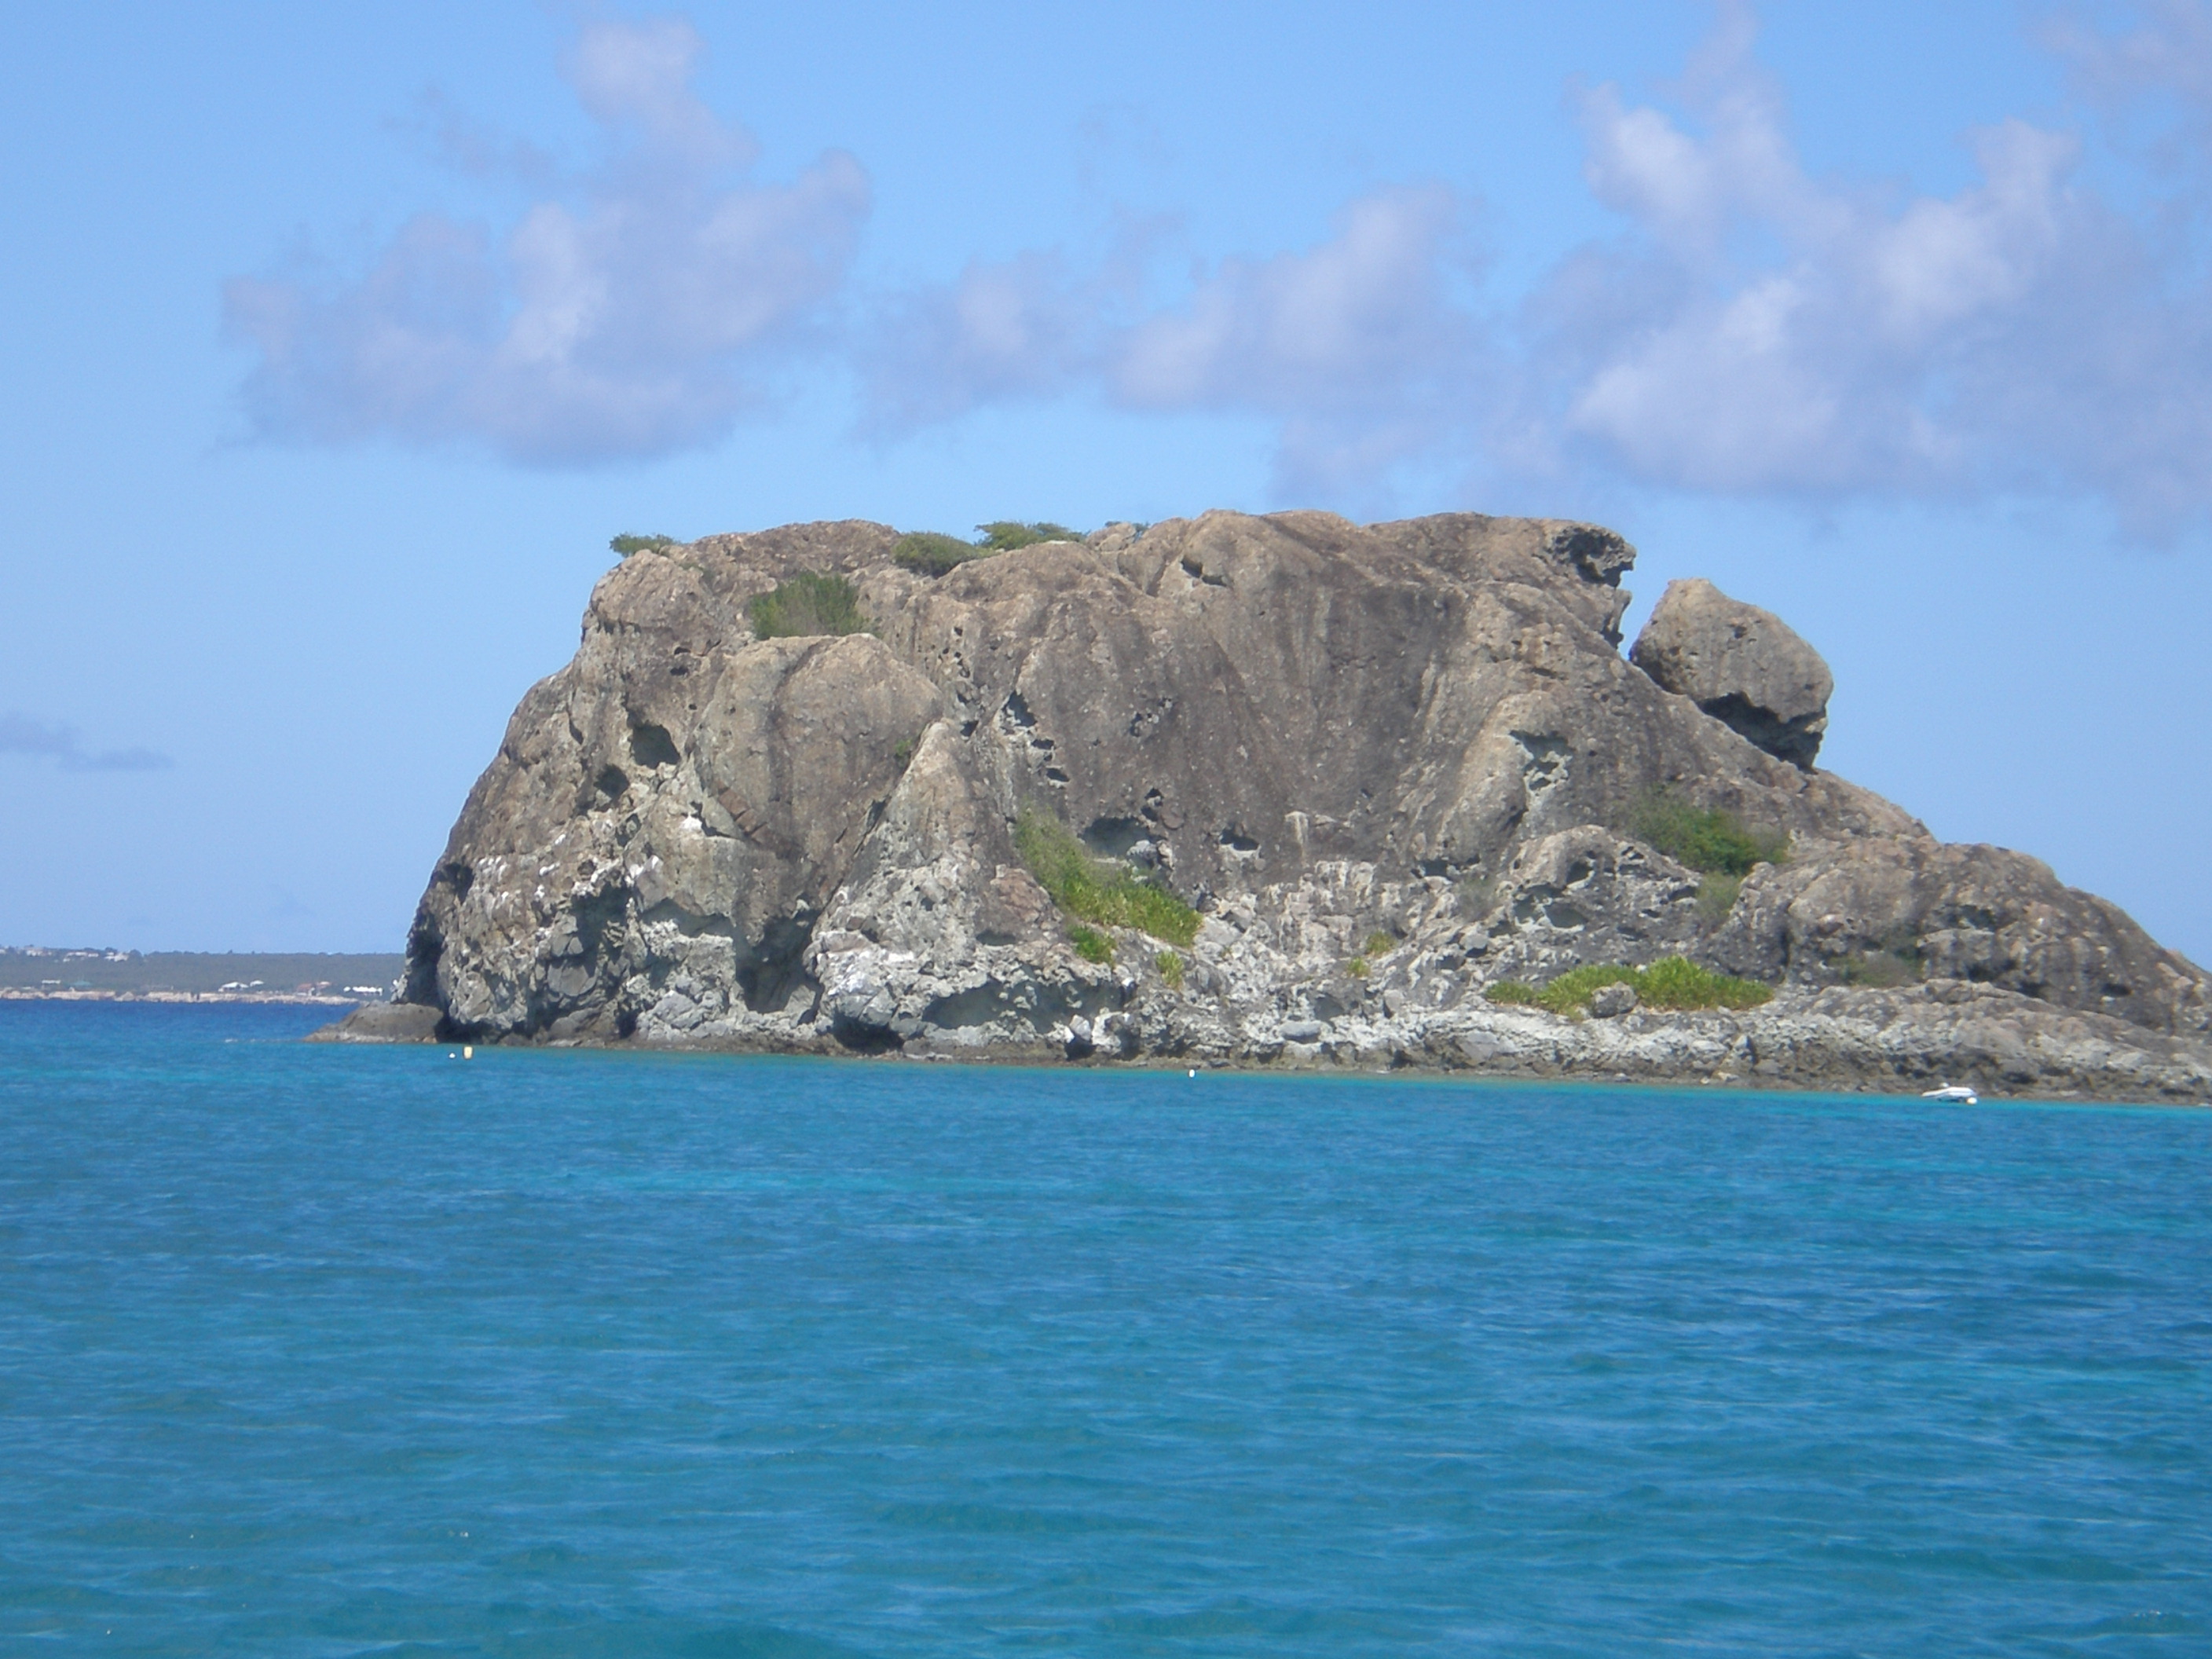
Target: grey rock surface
1611	1002
1387	764
1741	665
383	1022
1909	907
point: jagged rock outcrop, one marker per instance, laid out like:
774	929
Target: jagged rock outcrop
1741	665
1910	905
1388	765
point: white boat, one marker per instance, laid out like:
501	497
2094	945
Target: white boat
1957	1092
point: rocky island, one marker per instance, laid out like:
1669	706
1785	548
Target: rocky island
1280	790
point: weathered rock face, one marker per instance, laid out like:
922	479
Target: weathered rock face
1387	764
596	855
1741	665
1899	907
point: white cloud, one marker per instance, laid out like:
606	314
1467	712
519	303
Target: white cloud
628	313
1792	335
1754	328
1686	191
1761	330
1359	346
1354	321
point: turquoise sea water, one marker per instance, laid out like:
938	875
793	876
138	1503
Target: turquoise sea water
314	1351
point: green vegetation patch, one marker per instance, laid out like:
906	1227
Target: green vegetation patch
1101	891
1717	897
1707	838
1671	983
1357	968
627	544
1089	943
1573	989
1171	967
1005	535
810	603
1678	982
930	554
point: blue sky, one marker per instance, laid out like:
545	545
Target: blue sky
341	339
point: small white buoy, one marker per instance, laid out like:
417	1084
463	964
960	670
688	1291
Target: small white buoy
1194	1071
468	1051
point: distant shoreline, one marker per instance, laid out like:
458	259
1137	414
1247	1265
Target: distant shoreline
303	999
331	979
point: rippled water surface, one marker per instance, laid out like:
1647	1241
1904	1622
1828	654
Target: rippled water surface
314	1351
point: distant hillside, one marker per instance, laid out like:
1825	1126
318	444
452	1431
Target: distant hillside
34	967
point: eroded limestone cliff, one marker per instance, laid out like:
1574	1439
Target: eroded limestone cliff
1388	765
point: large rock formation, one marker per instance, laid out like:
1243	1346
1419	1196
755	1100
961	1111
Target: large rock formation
1741	665
1388	766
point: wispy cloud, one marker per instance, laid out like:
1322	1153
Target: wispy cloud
1358	345
19	735
1024	327
1752	328
1757	330
2163	54
630	312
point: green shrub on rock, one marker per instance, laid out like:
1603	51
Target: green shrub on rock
1678	982
810	603
1005	535
1103	891
1573	989
1717	897
627	544
1711	839
1089	943
1671	983
931	554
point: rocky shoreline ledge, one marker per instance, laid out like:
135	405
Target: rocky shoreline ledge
1839	1041
1279	791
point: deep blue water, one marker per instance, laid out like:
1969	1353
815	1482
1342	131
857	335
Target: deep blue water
317	1350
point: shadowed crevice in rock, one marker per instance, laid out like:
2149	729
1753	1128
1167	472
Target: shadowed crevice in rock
650	745
773	969
1795	741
